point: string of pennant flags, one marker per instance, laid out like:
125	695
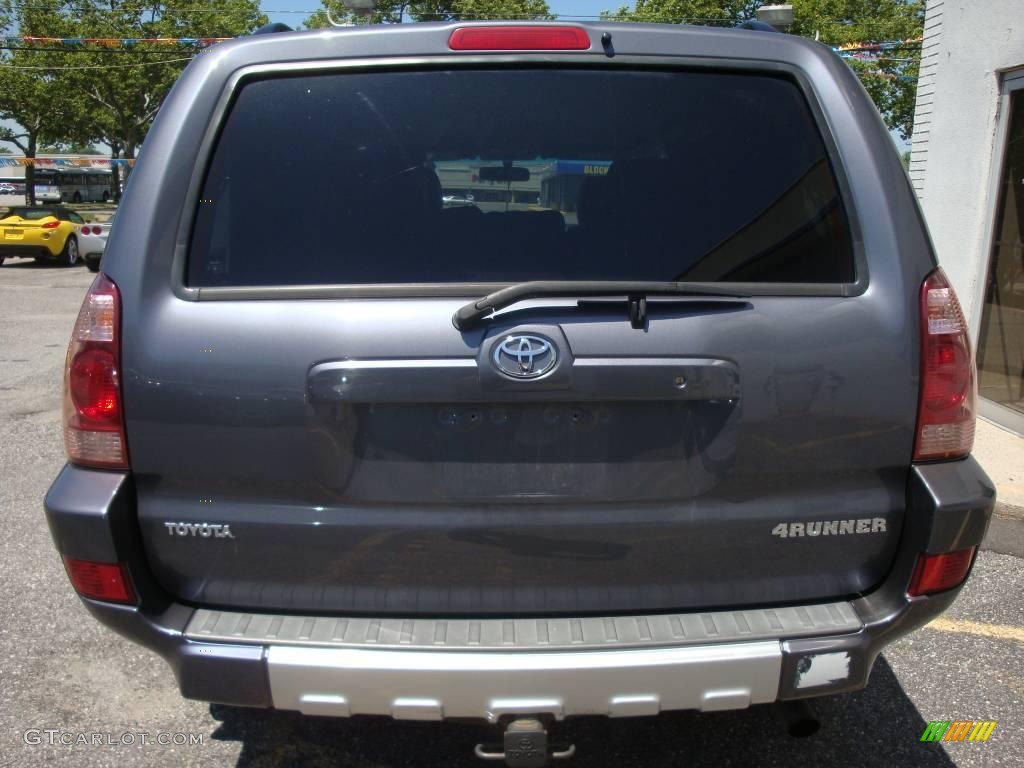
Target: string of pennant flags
67	162
116	42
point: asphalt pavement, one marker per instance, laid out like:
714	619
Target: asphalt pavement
64	679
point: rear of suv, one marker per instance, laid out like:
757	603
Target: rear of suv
672	411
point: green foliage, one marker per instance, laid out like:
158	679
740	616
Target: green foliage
38	106
891	81
386	12
62	96
36	99
383	13
124	100
69	148
701	12
447	10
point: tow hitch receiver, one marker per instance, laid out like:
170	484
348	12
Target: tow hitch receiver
526	746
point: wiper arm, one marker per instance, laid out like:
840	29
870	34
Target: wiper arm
469	316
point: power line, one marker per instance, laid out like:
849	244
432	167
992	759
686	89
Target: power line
99	66
35	49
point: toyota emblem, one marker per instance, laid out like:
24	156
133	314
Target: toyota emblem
524	357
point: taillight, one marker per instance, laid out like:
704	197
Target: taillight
93	413
100	581
519	37
937	573
51	225
946	412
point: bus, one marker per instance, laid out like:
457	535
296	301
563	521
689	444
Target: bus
12	191
77	185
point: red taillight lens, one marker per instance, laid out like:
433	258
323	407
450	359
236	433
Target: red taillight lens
93	385
51	225
100	581
519	38
946	413
936	573
93	416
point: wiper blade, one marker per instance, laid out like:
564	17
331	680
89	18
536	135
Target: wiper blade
472	314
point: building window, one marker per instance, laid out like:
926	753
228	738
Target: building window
1001	340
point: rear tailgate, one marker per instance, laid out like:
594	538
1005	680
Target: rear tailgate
313	433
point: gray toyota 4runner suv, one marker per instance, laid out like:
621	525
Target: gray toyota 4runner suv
672	410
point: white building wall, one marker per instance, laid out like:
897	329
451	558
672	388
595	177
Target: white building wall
925	94
968	45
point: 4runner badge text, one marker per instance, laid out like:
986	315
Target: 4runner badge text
830	527
206	530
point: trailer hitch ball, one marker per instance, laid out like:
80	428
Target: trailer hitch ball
525	746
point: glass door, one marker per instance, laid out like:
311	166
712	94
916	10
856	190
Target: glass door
1001	337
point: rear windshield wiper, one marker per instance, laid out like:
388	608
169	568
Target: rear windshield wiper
472	314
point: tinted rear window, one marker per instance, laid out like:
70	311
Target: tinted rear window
32	214
505	175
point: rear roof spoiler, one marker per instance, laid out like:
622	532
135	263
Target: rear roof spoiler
757	26
274	26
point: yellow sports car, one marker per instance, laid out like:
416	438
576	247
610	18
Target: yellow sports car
48	232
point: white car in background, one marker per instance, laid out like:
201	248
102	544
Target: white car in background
92	240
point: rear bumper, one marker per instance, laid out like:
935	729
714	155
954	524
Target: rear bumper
431	669
25	251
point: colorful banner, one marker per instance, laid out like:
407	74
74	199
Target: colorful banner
65	162
118	42
888	45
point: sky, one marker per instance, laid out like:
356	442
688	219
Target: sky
292	12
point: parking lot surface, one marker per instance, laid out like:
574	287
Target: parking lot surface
63	676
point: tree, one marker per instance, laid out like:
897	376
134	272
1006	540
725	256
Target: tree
890	79
383	13
34	96
459	10
124	105
387	12
38	104
70	148
115	97
700	12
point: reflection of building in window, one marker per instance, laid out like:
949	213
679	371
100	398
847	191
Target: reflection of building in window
560	188
461	181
